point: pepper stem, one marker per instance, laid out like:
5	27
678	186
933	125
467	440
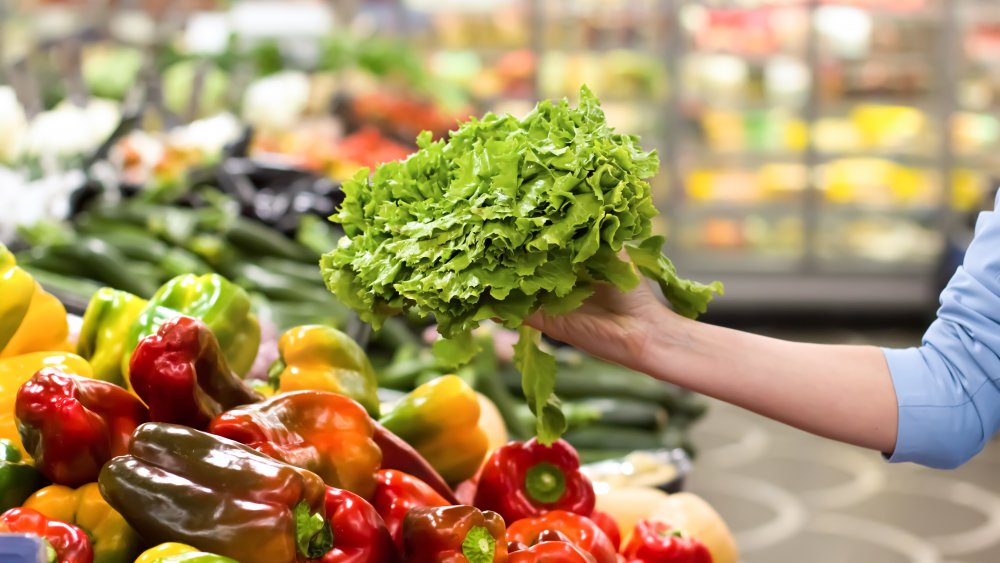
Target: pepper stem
313	535
479	546
545	483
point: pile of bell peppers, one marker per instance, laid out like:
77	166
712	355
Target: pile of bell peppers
148	445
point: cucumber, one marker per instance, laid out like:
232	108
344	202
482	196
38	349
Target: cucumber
395	334
279	287
624	412
308	273
177	261
491	386
593	456
130	214
257	239
138	247
94	224
601	437
40	259
95	260
147	270
402	373
79	288
286	315
580	376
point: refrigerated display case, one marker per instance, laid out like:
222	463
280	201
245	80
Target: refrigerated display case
815	152
824	150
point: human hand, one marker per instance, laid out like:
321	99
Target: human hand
611	325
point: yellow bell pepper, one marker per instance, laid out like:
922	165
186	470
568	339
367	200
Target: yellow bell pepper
112	538
321	358
491	421
177	552
154	554
31	319
15	371
441	420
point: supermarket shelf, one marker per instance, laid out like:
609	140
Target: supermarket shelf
867	267
698	210
795	251
779	209
908	159
982	161
741	158
849	101
846	293
696	105
693	106
750	59
752	158
742	261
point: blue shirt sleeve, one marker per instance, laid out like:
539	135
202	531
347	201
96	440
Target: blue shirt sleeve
948	389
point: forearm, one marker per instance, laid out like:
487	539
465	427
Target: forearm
840	392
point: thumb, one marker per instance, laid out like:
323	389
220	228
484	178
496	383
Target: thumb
536	321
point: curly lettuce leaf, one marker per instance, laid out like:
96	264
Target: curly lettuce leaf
538	382
688	298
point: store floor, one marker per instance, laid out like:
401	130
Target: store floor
791	497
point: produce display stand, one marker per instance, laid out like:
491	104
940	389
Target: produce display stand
264	192
228	245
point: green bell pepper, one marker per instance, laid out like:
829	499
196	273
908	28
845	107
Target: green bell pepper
18	480
177	552
212	299
106	323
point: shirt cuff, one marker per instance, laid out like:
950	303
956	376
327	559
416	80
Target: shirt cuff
905	367
930	431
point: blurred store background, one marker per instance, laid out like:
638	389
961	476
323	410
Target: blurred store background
825	159
820	154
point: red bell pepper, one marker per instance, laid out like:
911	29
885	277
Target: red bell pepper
359	535
454	534
578	530
609	527
182	374
70	543
524	479
326	433
465	491
657	542
398	455
395	494
551	552
72	425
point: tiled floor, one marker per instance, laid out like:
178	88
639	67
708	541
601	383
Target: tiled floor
791	497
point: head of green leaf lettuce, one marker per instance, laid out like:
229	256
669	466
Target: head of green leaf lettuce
507	216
